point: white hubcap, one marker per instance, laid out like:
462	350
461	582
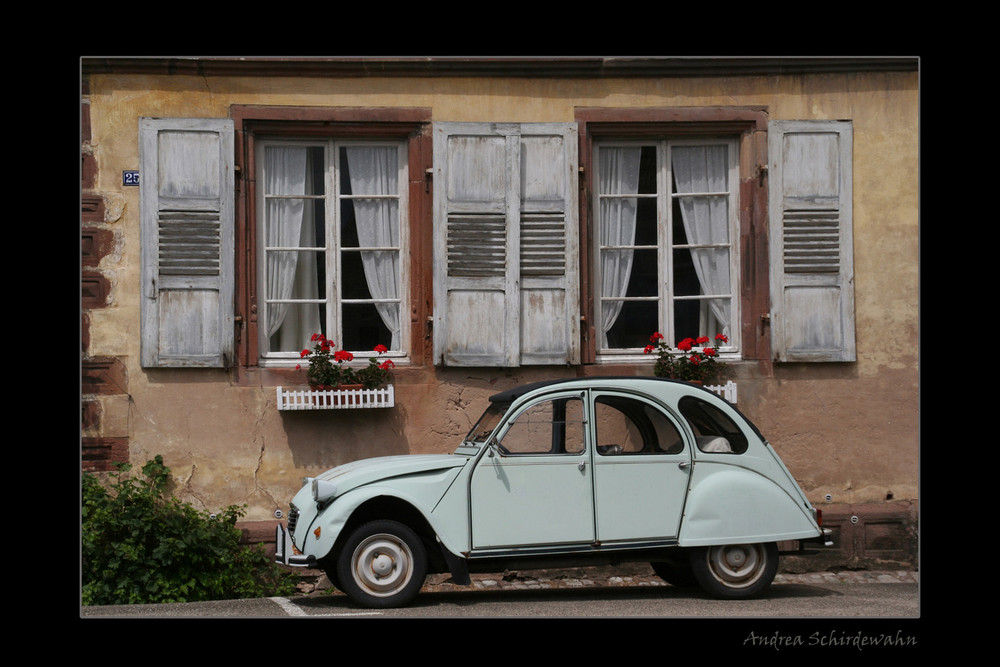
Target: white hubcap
382	565
737	566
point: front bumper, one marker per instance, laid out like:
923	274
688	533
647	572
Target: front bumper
285	552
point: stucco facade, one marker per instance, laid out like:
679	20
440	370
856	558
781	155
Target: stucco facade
847	431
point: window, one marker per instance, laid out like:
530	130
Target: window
666	215
547	427
628	426
331	232
713	430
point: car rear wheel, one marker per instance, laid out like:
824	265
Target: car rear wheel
736	570
382	564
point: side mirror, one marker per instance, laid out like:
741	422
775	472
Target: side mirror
494	448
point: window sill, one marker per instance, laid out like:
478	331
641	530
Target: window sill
335	399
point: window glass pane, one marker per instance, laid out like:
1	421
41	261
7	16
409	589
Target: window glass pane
710	425
549	427
700	317
636	321
646	226
363	326
628	426
368	170
647	170
295	325
697	270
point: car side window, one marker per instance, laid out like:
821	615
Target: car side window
714	431
552	426
627	426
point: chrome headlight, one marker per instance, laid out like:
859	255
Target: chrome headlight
323	490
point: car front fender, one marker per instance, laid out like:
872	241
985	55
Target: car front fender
728	504
422	492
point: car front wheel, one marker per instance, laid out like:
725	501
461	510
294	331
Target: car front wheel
735	571
382	564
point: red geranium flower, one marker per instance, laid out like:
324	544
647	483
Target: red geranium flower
381	349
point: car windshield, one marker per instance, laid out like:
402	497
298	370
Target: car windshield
486	424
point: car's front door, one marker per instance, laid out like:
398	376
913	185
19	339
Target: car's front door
641	469
535	488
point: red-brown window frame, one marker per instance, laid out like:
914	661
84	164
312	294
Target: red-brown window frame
749	126
409	124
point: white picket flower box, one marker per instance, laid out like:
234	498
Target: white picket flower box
335	399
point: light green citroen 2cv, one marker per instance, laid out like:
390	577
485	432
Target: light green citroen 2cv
556	474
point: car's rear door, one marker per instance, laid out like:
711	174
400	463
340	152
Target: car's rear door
641	469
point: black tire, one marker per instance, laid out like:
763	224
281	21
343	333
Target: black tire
675	573
382	564
735	571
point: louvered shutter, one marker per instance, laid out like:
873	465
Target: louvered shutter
812	268
506	285
187	200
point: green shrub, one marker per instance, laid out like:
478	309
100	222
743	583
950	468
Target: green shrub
141	546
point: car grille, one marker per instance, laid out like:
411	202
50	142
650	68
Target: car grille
293	518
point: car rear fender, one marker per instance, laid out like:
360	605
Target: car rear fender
730	504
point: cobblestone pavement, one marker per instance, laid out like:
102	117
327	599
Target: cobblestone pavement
599	577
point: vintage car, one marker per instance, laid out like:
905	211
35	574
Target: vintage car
556	474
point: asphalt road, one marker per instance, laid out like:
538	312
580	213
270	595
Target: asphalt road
788	598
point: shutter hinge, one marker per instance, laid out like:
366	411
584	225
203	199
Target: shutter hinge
765	319
761	174
428	179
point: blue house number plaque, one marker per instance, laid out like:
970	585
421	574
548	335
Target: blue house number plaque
130	178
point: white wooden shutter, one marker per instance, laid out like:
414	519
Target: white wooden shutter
812	266
505	215
187	200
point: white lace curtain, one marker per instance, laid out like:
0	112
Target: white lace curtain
374	172
290	224
619	175
704	169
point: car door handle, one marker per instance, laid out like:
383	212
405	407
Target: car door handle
684	465
582	465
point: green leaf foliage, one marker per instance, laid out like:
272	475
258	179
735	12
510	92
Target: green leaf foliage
140	545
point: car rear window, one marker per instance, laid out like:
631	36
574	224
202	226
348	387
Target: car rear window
709	423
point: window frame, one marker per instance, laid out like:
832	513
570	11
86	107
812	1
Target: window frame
748	126
410	125
665	196
333	248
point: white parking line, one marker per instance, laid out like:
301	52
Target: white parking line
290	609
295	610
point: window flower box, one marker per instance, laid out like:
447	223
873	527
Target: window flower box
726	391
341	398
